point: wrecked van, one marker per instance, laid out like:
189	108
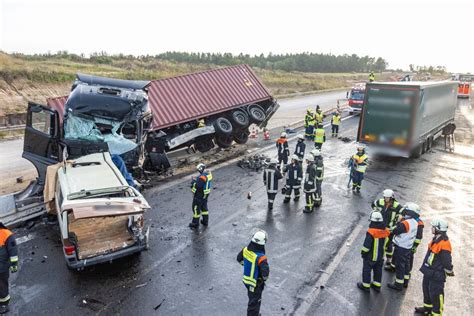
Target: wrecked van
100	216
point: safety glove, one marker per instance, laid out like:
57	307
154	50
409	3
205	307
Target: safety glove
451	274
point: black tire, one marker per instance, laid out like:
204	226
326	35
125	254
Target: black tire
241	137
222	126
256	114
223	141
240	119
430	143
424	147
203	144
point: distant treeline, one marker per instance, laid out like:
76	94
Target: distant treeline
303	62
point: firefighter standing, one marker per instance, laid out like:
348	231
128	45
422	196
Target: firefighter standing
359	163
256	270
319	136
8	263
404	240
283	150
271	175
294	175
371	77
300	147
376	240
318	116
436	266
310	184
318	162
309	124
201	188
335	122
390	209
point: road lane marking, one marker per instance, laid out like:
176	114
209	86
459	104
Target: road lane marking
306	303
24	239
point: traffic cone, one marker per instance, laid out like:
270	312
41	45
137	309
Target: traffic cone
253	134
266	135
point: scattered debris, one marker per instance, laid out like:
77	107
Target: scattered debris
322	287
92	304
345	139
19	179
141	285
159	305
234	224
249	195
30	224
255	162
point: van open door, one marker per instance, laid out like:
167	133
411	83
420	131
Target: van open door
41	142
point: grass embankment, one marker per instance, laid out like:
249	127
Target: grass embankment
26	78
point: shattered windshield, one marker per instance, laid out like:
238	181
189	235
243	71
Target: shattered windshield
96	129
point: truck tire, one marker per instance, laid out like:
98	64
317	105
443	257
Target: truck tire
256	114
417	151
223	141
203	144
241	136
222	126
240	119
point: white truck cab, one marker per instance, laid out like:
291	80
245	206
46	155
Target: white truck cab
100	216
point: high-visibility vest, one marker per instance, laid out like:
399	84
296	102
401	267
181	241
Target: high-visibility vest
406	240
319	135
336	120
252	262
358	160
380	237
371	76
309	120
207	178
319	117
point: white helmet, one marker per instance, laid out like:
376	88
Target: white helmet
440	224
376	217
310	158
315	152
260	237
388	193
273	161
301	136
200	167
283	135
410	206
295	157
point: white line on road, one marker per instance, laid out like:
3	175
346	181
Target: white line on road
305	305
24	239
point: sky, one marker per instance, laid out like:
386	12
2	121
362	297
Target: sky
437	33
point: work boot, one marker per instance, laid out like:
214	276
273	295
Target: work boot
362	287
296	199
395	286
4	309
422	310
375	287
307	209
286	200
353	188
358	190
193	225
405	283
205	223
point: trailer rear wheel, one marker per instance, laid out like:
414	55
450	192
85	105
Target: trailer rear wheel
240	119
203	144
417	151
223	126
223	141
241	137
256	114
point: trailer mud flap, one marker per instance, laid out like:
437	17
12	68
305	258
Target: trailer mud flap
159	161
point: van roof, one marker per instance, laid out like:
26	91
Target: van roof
91	172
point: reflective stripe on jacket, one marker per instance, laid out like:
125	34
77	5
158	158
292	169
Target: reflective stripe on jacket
309	120
270	179
438	260
407	238
252	261
319	117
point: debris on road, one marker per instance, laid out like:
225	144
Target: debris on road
159	305
255	162
141	285
345	139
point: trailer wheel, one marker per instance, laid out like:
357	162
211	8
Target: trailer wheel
417	151
241	137
256	114
222	126
203	144
240	119
223	141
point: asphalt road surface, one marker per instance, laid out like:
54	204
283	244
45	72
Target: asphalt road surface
314	258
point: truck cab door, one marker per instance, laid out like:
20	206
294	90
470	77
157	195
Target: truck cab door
41	142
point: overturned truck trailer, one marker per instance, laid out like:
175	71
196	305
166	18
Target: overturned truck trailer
144	120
